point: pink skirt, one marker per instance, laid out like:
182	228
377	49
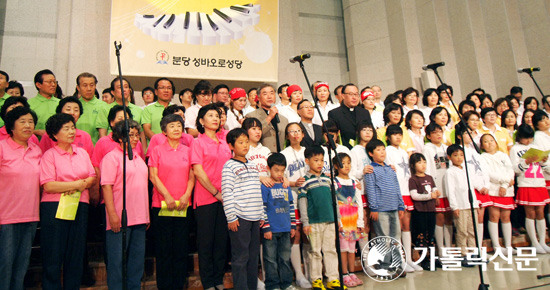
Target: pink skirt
409	205
484	199
443	206
534	196
503	202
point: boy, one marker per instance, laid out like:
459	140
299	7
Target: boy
243	206
278	228
383	193
317	217
457	193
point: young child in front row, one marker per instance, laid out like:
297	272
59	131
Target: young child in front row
279	226
334	132
317	216
243	206
351	211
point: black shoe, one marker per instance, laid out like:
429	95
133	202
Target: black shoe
465	263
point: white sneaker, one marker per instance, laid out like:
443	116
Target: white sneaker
290	288
261	285
303	283
540	249
416	267
408	268
545	247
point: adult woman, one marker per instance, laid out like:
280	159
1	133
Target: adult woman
208	155
474	98
441	117
295	95
531	103
472	120
527	118
15	89
393	115
324	101
486	101
367	98
446	93
500	106
10	104
501	135
235	116
409	100
252	96
508	120
65	169
414	121
160	138
430	100
137	207
19	196
71	106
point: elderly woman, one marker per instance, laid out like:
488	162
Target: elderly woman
160	138
10	104
208	155
137	208
65	169
19	196
173	180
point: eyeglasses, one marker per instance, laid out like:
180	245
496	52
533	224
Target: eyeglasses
490	115
352	94
133	136
165	88
294	132
50	82
307	107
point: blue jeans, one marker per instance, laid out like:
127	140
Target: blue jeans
278	273
135	243
388	224
15	251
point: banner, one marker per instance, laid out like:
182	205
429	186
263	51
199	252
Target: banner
198	39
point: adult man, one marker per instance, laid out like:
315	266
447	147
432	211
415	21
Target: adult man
86	87
4	82
378	102
349	114
45	102
106	96
220	93
186	98
313	133
152	114
273	124
252	94
284	99
338	93
546	104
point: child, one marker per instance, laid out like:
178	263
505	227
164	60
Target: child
400	160
425	196
334	132
257	153
383	193
295	172
350	207
437	163
457	193
243	206
279	226
317	216
532	192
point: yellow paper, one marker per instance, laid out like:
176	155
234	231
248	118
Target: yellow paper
536	152
173	213
68	204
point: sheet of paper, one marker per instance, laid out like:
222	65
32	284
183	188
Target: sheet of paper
173	213
68	205
535	152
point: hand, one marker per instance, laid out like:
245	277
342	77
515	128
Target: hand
273	111
307	230
374	216
359	185
170	202
114	221
531	159
82	185
544	159
233	226
368	169
437	201
401	214
501	191
435	194
512	182
70	192
292	233
286	183
262	223
392	167
148	226
184	202
219	196
300	182
266	181
456	213
268	235
340	229
484	191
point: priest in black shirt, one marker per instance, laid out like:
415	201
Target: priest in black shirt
313	133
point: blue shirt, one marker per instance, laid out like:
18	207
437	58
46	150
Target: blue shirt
382	189
279	214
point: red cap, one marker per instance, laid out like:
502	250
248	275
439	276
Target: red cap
366	94
321	85
237	93
292	89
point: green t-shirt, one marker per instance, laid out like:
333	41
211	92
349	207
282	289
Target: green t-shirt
87	121
44	109
102	121
2	100
319	199
152	114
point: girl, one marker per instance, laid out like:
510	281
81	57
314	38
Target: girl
425	196
532	194
430	100
542	136
322	92
508	120
351	217
257	152
415	123
235	116
334	131
501	192
409	100
441	117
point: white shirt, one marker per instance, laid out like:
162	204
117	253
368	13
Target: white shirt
400	160
359	159
295	167
542	142
529	175
324	112
437	164
457	188
191	116
418	140
377	119
258	155
500	172
290	114
339	149
232	122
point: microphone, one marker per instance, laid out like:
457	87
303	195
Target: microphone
433	66
277	120
528	70
300	57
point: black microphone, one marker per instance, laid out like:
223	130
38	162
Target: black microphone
528	70
433	66
277	120
300	57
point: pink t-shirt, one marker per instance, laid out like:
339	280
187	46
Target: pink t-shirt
19	179
59	165
222	134
160	138
173	170
105	145
4	135
137	198
81	139
212	156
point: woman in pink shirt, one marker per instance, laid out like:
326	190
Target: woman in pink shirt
208	155
173	180
160	138
19	196
65	169
137	208
10	104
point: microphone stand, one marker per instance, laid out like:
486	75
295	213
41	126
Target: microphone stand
530	73
331	146
482	285
125	146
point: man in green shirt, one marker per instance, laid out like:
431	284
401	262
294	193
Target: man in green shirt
152	114
86	88
45	102
4	80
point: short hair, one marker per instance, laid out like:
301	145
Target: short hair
470	96
479	90
485	111
301	102
56	122
114	110
373	144
498	102
390	99
346	86
251	89
14	115
182	92
117	79
524	131
39	76
155	98
393	130
172	109
107	90
170	119
454	148
202	87
415	158
66	100
313	151
276	159
537	117
263	86
165	79
544	99
460	129
219	87
466	103
336	89
250	123
222	106
339	157
390	108
202	113
15	84
432	127
409	116
407	91
118	130
525	114
12	101
427	93
485	96
234	134
438	110
5	74
332	127
85	75
515	89
365	124
503	118
529	100
468	114
442	88
280	88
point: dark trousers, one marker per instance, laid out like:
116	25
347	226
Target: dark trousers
63	244
15	251
423	228
245	251
135	246
211	243
171	250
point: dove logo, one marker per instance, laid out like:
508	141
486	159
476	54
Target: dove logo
383	259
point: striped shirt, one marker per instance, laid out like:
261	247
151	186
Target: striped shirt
241	191
382	189
315	200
